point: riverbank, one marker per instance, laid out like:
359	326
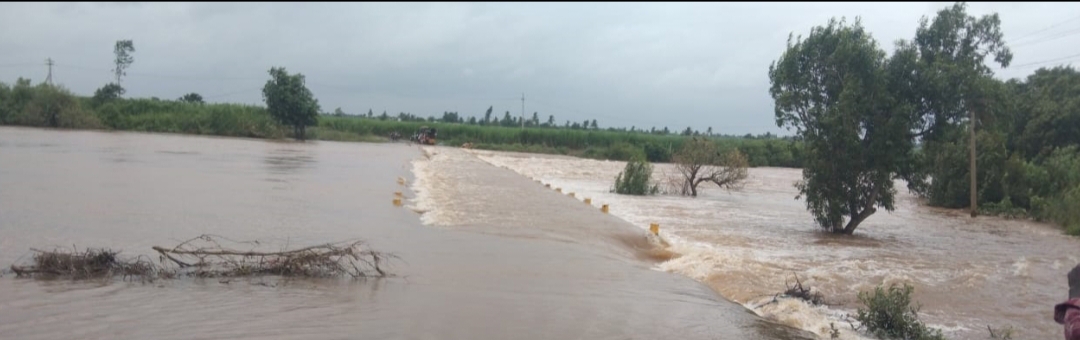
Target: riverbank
55	107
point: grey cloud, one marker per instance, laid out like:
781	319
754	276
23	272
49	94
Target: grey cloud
631	64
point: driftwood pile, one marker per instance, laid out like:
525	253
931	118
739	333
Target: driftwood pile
205	257
89	263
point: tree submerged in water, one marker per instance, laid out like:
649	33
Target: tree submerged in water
636	178
698	161
860	112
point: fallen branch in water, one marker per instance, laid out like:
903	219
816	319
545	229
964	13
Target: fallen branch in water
204	256
210	259
805	294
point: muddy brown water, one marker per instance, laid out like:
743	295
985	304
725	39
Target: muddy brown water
500	256
748	244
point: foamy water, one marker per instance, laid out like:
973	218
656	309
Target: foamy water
749	244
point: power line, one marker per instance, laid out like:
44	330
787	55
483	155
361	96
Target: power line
1047	61
1055	37
152	75
233	93
1047	28
19	65
594	114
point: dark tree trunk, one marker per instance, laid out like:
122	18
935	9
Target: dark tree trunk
861	216
855	220
298	132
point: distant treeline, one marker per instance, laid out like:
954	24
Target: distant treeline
592	143
509	120
53	106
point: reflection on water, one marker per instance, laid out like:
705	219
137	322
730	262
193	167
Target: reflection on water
557	270
968	273
281	159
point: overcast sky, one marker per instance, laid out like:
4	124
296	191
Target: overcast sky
632	64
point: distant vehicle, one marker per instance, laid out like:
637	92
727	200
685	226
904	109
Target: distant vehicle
395	136
425	135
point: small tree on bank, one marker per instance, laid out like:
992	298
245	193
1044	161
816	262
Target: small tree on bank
290	102
698	161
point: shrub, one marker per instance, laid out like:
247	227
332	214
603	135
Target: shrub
635	178
889	315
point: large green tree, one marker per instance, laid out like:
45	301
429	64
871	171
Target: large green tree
836	89
952	80
290	102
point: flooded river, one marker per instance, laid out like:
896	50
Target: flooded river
747	244
485	253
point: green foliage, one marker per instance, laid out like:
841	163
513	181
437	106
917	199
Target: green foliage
951	68
656	152
123	50
180	117
836	88
193	98
889	315
601	144
43	105
623	150
290	102
1026	151
107	93
635	179
951	80
1049	112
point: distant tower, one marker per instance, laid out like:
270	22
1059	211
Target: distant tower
48	79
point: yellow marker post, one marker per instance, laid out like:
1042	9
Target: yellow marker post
397	202
604	208
588	201
655	228
398	194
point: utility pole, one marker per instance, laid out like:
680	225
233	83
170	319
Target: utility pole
971	130
48	79
523	111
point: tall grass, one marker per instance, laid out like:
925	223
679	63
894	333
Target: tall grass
43	105
614	145
181	117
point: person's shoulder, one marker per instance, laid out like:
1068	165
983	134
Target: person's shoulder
1061	309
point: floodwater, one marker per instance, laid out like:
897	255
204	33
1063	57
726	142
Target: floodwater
484	252
749	244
